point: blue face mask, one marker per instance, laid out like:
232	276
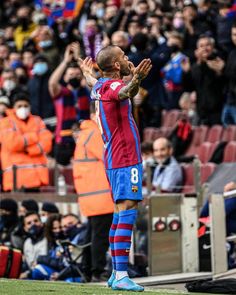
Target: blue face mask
40	68
45	43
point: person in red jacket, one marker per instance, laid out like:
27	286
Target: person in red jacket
25	141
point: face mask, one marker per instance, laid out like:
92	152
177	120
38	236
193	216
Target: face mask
100	12
35	231
45	43
23	113
191	113
40	68
59	235
74	82
71	232
43	219
178	23
22	79
9	85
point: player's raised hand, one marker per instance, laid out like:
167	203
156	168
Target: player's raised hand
86	65
142	70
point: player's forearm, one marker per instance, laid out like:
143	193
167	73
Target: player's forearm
91	80
131	89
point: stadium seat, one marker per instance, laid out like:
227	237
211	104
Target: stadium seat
170	118
188	171
229	133
206	170
199	136
151	133
206	150
230	152
214	134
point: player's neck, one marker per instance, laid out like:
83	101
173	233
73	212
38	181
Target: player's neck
113	75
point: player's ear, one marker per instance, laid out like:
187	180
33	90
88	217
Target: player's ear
117	65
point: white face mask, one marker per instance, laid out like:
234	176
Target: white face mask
23	113
43	219
9	85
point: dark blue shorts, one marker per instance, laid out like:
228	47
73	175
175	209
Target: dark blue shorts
126	183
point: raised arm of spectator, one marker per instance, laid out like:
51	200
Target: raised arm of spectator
54	81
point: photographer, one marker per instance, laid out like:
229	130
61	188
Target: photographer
205	77
71	101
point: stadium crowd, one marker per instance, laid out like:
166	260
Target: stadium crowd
43	96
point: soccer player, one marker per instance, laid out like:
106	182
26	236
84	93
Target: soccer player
122	150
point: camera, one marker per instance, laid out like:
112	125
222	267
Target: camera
213	55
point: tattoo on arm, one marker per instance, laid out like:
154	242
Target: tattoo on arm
131	89
91	81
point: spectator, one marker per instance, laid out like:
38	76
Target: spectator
40	98
187	106
168	176
206	78
25	141
95	198
36	243
43	36
47	210
172	71
28	60
181	135
153	83
9	82
121	39
194	27
73	229
28	205
229	111
4	105
8	221
25	26
52	262
71	103
230	210
92	38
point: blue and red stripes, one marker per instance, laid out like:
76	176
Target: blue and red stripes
122	239
111	237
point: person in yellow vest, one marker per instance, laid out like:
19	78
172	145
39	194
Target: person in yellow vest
25	141
95	200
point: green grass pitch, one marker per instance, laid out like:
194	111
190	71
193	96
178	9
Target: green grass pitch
18	287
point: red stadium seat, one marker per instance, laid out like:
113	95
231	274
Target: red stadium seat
230	152
214	134
199	136
170	118
206	170
229	133
151	133
188	171
206	150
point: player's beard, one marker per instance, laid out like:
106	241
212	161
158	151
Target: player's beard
125	70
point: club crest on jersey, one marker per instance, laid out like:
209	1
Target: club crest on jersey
134	188
114	85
